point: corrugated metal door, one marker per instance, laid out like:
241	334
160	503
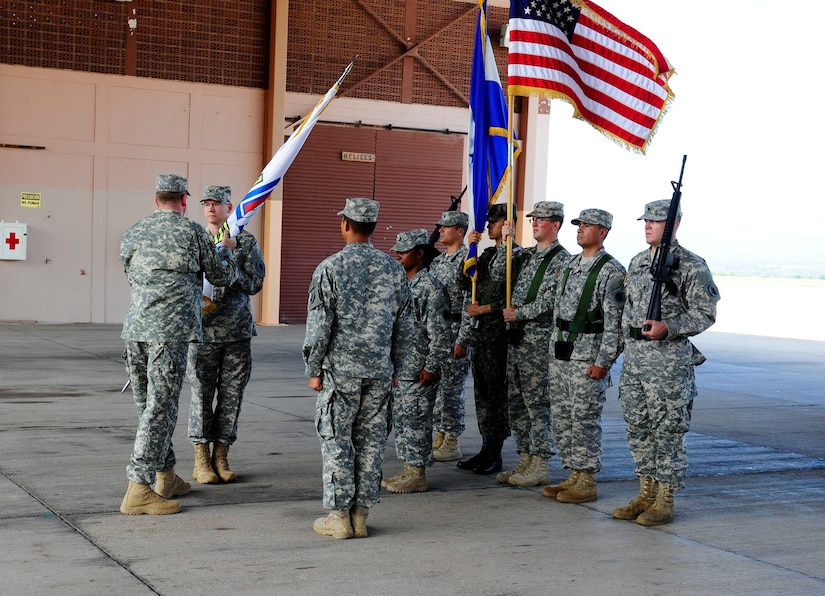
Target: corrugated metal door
413	176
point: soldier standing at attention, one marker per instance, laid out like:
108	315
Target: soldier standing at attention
220	366
430	351
535	271
448	268
657	383
359	324
165	257
489	353
586	341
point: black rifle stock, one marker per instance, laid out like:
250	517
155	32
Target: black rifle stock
662	265
432	251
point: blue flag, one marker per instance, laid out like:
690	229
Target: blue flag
488	168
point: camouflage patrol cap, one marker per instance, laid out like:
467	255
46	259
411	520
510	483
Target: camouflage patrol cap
498	212
410	239
594	216
219	194
454	218
547	209
362	210
170	183
657	211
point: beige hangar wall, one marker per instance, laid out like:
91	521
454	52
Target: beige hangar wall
91	146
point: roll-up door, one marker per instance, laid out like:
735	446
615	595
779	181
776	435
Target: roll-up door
412	174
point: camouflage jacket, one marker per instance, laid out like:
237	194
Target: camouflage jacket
688	308
526	263
231	319
165	256
606	304
449	270
430	347
359	315
492	291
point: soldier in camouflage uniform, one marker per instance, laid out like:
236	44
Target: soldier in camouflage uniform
430	350
359	323
448	268
489	352
535	271
657	383
220	366
586	341
165	257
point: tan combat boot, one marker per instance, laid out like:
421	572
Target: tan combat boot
583	491
647	492
522	465
139	499
168	484
661	511
552	491
535	474
358	516
337	524
396	478
221	464
203	472
437	440
412	479
448	450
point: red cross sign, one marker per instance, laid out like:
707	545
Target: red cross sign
13	241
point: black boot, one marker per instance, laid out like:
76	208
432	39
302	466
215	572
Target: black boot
470	464
491	463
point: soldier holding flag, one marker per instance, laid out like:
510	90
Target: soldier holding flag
220	366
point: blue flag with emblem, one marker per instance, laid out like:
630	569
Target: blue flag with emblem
488	168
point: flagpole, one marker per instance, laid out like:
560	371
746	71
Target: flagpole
510	191
482	29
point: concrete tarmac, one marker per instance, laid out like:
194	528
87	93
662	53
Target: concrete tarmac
750	521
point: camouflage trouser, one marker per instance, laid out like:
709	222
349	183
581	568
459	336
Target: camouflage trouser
351	421
490	387
218	372
657	402
528	403
412	418
576	402
448	413
156	371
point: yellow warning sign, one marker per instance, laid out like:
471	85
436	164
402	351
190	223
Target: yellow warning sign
30	199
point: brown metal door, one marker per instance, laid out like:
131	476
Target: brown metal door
413	176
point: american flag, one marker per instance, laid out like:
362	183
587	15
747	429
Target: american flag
615	77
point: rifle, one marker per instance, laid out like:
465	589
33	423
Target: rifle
432	251
663	265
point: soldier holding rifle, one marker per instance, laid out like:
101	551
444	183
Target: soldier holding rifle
657	382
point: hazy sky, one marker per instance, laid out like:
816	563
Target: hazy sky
748	114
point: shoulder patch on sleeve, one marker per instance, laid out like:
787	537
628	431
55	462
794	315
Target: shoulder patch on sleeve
314	296
615	290
258	263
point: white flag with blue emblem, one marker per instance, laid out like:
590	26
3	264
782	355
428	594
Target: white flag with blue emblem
274	171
